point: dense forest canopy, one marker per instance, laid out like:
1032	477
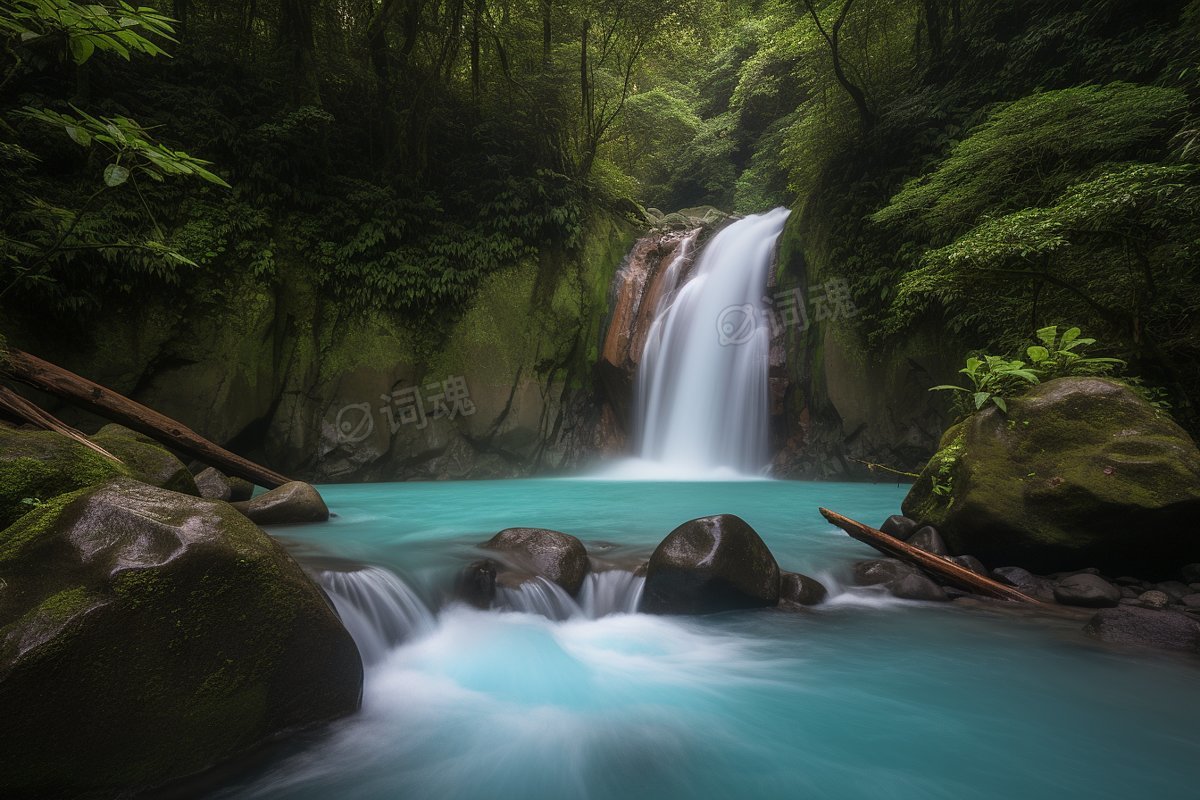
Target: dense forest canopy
987	167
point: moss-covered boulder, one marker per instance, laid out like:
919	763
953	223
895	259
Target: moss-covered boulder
147	460
710	564
1082	472
146	635
36	466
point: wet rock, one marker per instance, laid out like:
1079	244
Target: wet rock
1191	600
146	635
1079	471
801	589
293	502
36	466
1154	599
899	526
1128	625
476	584
1027	582
972	563
928	539
711	564
147	460
215	485
1087	590
556	556
900	579
1127	591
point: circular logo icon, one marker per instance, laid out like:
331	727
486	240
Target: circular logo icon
354	423
736	324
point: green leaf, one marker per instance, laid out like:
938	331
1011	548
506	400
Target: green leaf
1037	354
1000	404
115	175
948	387
982	397
1048	335
78	135
82	48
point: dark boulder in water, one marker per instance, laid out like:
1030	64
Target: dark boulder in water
293	502
146	635
215	485
1131	625
476	584
900	579
555	556
928	539
1090	591
711	564
899	526
801	589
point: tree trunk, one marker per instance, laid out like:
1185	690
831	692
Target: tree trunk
547	13
937	567
93	397
25	411
296	39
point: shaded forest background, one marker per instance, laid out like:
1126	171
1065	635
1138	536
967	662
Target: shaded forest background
984	167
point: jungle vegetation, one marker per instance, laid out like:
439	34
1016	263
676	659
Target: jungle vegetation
987	167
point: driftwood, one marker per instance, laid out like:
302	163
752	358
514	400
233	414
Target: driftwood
26	411
936	566
67	385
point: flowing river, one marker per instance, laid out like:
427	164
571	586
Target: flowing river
862	697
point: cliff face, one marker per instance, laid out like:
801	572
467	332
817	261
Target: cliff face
286	377
841	402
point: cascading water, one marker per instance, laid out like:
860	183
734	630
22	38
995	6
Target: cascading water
613	591
378	609
701	390
538	596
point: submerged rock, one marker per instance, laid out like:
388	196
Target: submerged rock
801	589
476	584
147	460
1080	471
555	556
291	503
1130	625
711	564
146	636
1027	582
900	579
1090	591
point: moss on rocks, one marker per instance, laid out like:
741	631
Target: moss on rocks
36	466
1081	472
146	635
148	461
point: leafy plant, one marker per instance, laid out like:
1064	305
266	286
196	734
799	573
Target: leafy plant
1062	355
993	379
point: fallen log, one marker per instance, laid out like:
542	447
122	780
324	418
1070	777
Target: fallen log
942	569
26	411
92	396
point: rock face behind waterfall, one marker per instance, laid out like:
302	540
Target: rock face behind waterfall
555	556
708	565
146	635
1080	473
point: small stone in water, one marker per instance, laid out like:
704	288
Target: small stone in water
928	539
1154	599
1192	600
1085	589
901	527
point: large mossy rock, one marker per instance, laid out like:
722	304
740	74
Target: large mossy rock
555	556
146	635
147	460
1081	472
36	466
710	564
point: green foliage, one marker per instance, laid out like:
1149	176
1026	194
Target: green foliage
81	29
1033	147
996	379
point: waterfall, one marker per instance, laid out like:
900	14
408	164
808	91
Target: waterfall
538	596
701	389
378	609
613	591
